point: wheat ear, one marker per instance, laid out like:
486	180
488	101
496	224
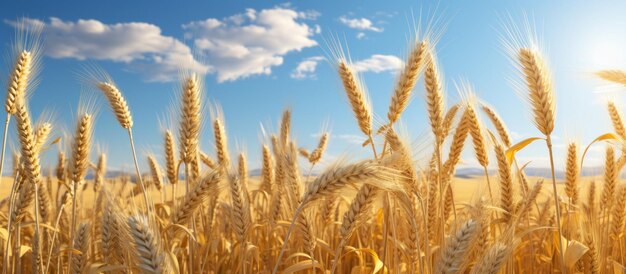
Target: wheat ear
316	154
493	260
406	81
571	173
498	123
81	243
357	211
541	95
198	195
434	99
101	170
356	97
456	248
506	182
149	256
616	76
170	158
190	120
611	174
267	170
155	170
449	119
118	103
221	143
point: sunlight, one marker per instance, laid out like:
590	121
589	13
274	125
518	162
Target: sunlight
606	54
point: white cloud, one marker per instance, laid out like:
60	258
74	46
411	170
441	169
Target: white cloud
379	63
306	68
359	23
360	35
253	42
140	45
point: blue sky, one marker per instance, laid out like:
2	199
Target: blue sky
254	50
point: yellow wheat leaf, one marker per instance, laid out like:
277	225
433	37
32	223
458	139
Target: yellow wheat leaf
510	153
603	137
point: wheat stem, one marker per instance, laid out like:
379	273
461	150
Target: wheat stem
139	178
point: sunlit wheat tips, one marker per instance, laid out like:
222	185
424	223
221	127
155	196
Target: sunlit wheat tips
356	97
615	76
406	81
316	154
25	59
617	120
540	91
497	122
434	98
285	128
117	102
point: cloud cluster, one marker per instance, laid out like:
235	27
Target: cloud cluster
359	24
251	43
235	47
378	63
306	68
140	45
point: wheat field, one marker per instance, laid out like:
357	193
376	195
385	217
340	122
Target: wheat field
202	212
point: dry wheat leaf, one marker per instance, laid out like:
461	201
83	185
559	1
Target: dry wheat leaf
302	265
575	250
510	153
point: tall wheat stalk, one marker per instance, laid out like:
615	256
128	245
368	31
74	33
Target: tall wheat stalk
120	108
541	97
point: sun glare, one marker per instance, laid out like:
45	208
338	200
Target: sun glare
606	54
